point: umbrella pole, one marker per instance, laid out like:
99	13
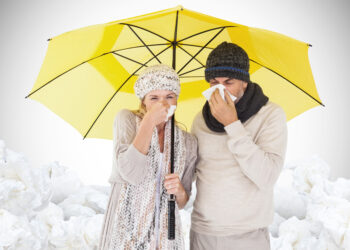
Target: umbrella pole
171	201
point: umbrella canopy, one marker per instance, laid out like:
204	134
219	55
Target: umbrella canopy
88	74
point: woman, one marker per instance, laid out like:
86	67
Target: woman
136	216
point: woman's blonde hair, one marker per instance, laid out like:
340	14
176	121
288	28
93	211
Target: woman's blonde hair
141	111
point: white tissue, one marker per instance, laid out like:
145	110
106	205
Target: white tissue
171	111
207	93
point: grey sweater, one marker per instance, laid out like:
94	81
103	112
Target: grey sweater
128	162
236	172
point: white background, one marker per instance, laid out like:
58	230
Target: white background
29	127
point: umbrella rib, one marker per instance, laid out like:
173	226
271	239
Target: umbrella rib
188	53
193	45
146	30
289	82
190	76
201	49
129	59
119	89
80	65
140	46
144	44
204	31
64	73
192	70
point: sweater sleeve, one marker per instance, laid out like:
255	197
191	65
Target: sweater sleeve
191	157
130	163
261	161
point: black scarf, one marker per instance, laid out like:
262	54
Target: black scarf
250	103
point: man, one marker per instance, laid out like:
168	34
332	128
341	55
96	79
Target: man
242	147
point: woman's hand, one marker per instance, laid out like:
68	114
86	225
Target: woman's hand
174	186
158	113
223	111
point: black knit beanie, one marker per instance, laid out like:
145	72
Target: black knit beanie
228	60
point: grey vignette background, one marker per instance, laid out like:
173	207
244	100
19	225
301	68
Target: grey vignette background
30	128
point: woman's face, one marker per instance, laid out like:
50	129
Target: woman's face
167	97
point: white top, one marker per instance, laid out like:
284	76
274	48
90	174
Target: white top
158	194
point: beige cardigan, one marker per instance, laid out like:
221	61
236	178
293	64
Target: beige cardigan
128	166
236	172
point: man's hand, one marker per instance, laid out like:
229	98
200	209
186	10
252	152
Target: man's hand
223	111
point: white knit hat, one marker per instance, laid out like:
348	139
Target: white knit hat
157	77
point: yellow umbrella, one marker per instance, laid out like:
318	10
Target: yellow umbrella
88	74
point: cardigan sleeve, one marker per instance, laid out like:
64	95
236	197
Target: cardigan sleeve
191	157
130	163
260	160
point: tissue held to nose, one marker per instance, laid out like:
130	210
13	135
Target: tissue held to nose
207	93
171	111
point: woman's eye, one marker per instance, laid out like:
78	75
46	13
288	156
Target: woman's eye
170	97
154	98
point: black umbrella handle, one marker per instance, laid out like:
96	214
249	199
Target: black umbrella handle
171	201
171	219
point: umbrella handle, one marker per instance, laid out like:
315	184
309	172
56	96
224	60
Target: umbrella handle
171	219
171	201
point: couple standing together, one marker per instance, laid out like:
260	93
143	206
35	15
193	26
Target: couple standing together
235	152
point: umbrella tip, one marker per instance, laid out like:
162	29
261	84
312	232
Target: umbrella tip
49	39
310	45
180	7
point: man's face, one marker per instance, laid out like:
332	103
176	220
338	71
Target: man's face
234	86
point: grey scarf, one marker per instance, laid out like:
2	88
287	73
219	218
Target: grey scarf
250	103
